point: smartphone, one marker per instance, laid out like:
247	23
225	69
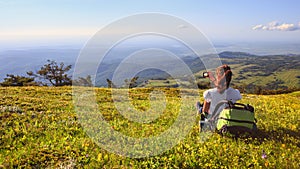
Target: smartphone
205	74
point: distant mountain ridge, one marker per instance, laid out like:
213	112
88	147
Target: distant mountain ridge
247	67
229	54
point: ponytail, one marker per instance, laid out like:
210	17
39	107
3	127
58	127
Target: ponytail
225	75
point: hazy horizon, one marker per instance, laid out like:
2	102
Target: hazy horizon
257	48
251	26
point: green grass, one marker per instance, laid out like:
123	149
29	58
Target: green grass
40	129
161	83
288	77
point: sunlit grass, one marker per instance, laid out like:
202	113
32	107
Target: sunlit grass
40	129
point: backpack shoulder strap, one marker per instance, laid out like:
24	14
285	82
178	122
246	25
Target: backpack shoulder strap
243	107
214	114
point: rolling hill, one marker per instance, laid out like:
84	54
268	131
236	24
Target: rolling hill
269	71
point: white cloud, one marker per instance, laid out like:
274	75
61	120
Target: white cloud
182	26
257	27
276	26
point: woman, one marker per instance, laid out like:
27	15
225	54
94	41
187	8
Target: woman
220	92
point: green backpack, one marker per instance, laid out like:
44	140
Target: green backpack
236	118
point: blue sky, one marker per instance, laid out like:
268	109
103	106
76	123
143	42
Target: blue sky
68	21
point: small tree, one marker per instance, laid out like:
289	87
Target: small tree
54	73
110	84
131	83
81	81
17	80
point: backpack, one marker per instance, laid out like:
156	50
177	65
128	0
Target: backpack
235	118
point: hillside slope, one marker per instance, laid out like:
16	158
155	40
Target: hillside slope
40	129
271	72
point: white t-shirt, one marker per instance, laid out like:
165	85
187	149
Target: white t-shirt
213	97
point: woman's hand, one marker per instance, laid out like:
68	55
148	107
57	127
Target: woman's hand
212	77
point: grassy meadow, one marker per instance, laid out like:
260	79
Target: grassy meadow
40	129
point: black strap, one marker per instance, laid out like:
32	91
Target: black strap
238	121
